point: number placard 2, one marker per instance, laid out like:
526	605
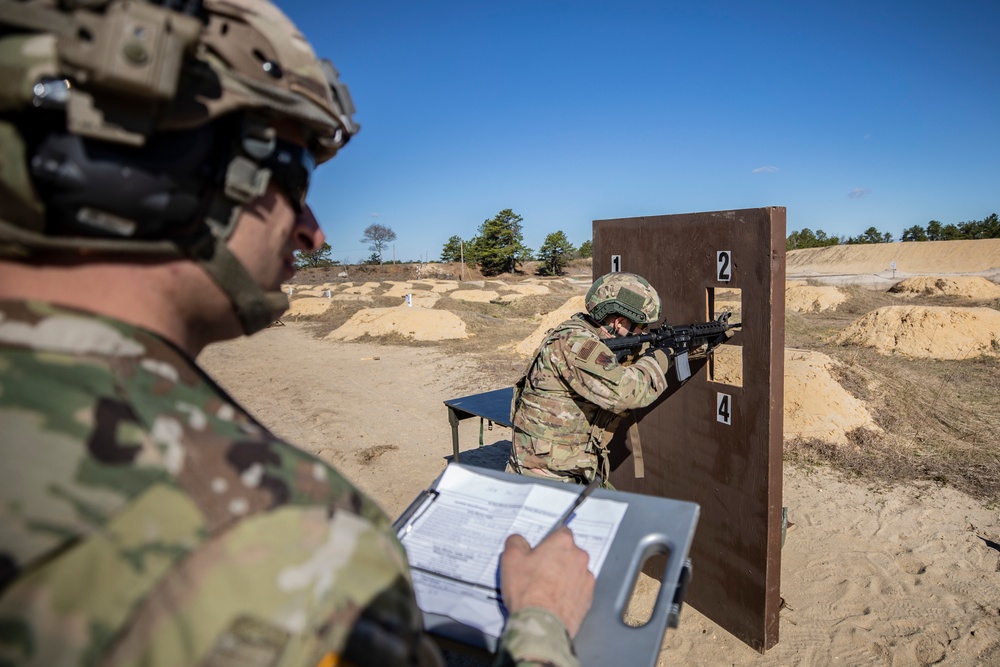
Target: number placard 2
724	265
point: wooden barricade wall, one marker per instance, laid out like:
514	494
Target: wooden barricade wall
688	451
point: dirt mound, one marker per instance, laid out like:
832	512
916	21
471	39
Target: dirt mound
816	405
362	289
308	306
474	295
440	286
398	272
416	323
807	299
528	289
398	289
923	257
972	287
529	345
930	332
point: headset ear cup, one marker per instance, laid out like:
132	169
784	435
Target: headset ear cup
98	189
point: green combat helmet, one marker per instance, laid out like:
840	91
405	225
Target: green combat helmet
624	294
141	128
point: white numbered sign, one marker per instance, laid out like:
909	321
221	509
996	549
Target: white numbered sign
724	409
616	263
724	265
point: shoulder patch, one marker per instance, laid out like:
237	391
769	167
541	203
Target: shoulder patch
606	361
587	349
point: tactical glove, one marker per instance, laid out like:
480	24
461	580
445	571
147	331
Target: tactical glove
656	363
662	357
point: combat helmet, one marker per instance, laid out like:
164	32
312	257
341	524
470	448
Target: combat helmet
141	127
624	294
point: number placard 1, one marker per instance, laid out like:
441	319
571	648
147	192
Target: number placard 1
616	263
724	409
724	265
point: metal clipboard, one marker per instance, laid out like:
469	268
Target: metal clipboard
651	525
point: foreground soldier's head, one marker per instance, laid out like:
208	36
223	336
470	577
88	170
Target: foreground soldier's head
161	149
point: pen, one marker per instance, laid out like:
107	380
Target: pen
568	514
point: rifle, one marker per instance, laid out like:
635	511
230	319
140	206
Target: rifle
681	339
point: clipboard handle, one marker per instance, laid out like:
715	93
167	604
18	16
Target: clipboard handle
608	619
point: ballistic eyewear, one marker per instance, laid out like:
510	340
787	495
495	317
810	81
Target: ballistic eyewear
291	168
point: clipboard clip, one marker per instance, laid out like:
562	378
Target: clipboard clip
674	614
417	509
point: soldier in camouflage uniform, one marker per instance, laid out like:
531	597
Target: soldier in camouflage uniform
574	392
155	161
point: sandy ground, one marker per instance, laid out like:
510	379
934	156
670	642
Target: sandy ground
901	577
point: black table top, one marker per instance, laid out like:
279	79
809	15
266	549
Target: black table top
492	405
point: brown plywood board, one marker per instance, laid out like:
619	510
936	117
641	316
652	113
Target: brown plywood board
732	470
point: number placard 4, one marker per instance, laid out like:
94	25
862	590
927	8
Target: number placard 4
724	409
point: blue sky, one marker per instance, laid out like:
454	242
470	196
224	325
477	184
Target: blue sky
850	114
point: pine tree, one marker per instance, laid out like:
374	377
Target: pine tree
499	245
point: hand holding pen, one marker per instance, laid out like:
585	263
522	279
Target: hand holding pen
553	576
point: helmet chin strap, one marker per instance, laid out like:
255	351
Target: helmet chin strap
255	308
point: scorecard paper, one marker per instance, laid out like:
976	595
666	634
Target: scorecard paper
455	536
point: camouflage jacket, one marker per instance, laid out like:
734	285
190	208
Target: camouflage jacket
572	395
145	518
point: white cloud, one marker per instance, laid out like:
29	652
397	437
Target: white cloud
765	170
859	193
374	215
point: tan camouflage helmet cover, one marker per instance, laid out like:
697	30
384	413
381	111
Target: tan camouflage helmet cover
125	71
172	70
624	294
128	74
265	63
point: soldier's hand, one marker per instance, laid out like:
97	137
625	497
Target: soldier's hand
553	576
657	361
662	356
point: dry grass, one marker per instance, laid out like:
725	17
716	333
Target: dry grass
940	417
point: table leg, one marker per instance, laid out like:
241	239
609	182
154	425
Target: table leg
453	420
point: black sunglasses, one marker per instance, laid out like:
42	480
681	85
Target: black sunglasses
291	168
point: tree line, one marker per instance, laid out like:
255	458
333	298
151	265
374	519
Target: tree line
987	228
498	247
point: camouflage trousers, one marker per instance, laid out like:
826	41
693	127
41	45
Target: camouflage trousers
535	457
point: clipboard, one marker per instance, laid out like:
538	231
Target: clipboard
650	526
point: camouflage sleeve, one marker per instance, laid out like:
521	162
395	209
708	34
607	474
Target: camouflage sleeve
591	370
145	518
534	637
